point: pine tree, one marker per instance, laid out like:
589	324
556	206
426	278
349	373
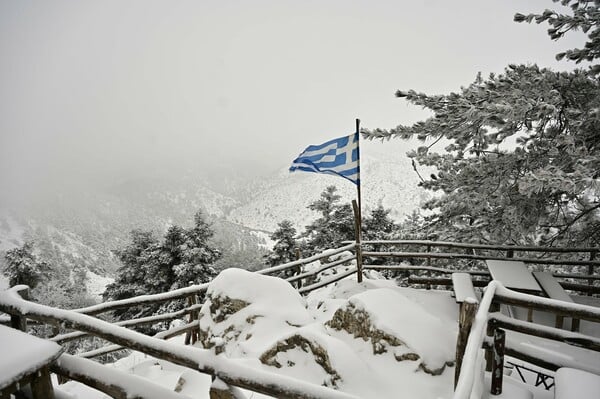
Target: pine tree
24	267
197	255
586	16
149	266
335	225
379	225
284	249
543	190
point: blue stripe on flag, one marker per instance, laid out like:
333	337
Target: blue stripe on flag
338	157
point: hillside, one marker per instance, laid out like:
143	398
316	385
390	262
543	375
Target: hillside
387	179
79	229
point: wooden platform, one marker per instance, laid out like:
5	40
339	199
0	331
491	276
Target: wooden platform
25	360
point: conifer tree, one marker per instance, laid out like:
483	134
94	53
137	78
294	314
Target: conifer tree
379	225
284	249
545	189
24	267
149	266
335	225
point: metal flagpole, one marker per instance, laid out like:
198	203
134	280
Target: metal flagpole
358	212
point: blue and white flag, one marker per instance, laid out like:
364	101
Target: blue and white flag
338	157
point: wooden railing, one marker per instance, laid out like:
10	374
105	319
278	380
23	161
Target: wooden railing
488	332
432	264
85	322
439	258
202	360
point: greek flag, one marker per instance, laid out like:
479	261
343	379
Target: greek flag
338	157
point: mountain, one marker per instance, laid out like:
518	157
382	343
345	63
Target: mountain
386	179
79	229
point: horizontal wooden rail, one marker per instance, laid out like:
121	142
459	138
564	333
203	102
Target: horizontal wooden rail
448	244
116	384
143	299
304	261
442	281
321	269
471	272
559	308
131	323
592	289
333	279
201	360
451	255
539	330
425	268
173	332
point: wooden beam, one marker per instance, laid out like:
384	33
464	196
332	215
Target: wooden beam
468	309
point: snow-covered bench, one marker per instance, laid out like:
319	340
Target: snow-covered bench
576	384
554	291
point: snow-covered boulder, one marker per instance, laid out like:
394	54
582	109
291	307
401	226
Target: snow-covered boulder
394	323
244	313
352	336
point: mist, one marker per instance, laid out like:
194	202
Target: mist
95	93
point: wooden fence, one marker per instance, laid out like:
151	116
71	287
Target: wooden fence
306	273
489	328
431	264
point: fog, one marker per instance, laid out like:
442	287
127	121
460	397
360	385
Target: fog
98	91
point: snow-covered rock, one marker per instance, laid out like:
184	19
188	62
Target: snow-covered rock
392	322
337	333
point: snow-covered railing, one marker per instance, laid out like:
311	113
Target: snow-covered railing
488	323
301	273
574	258
315	271
180	293
204	361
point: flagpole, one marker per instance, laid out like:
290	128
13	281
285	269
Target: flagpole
358	212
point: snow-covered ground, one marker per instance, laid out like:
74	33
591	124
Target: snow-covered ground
369	340
96	284
372	339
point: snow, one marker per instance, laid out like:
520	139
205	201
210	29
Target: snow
279	326
512	274
23	354
426	334
463	288
96	284
259	328
193	357
575	384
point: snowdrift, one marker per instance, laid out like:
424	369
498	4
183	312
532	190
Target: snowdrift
369	338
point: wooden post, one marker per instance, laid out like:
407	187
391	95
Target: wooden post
221	390
498	361
357	207
299	268
19	321
591	271
494	307
510	253
191	336
468	309
358	248
41	386
428	262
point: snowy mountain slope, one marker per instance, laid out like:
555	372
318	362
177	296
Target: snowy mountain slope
79	229
386	179
11	232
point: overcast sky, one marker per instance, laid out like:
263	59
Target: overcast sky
103	89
